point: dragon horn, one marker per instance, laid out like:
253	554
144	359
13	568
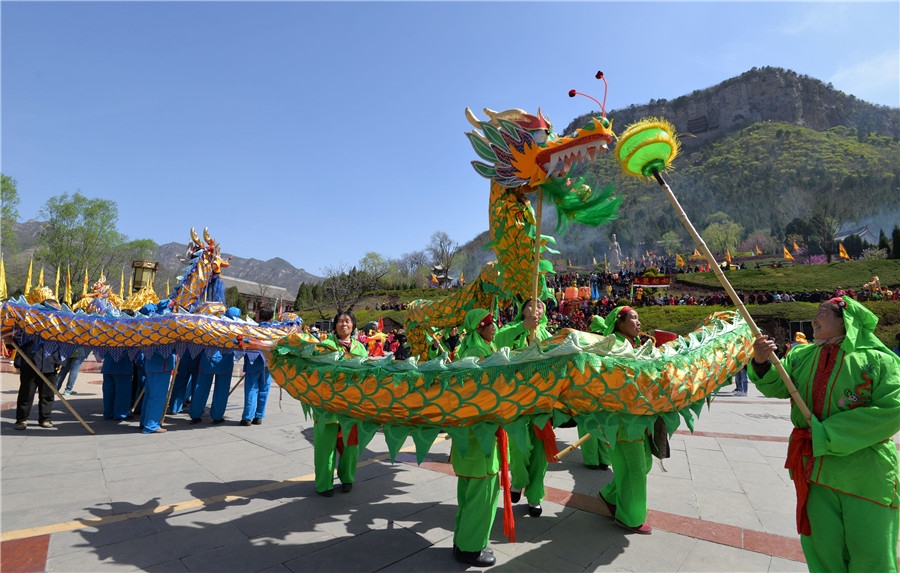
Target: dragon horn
472	119
511	114
206	235
195	238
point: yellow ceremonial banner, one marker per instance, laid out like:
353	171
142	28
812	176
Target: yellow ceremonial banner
85	291
787	254
41	280
3	294
68	295
28	278
56	288
122	285
433	278
130	285
595	261
167	288
728	255
843	251
679	262
697	253
796	248
758	250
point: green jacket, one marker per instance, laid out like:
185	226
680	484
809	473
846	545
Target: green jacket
474	464
515	336
331	344
852	444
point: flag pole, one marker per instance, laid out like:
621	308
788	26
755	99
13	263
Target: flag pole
537	257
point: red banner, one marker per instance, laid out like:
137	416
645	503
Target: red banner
662	281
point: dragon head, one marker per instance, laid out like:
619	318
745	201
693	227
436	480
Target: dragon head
523	150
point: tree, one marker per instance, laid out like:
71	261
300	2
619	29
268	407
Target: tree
81	232
800	228
670	242
409	263
233	298
9	213
895	243
722	234
829	214
883	242
442	250
343	288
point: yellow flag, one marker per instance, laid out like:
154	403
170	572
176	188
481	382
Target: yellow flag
28	278
68	295
122	285
697	253
796	248
41	280
130	285
787	254
843	251
3	293
679	262
56	288
728	255
167	289
85	291
595	261
758	251
433	278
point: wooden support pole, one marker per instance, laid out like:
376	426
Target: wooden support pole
538	212
573	447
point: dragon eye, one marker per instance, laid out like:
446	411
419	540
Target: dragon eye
539	135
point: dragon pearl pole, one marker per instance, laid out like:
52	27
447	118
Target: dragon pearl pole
804	409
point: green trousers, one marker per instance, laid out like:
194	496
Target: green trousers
631	462
594	451
529	468
849	533
325	438
477	499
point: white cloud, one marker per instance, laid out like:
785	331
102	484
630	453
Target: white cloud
875	79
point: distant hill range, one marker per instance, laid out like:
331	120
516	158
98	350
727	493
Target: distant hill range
276	272
763	147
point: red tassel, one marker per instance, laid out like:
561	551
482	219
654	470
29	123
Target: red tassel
509	523
800	447
353	440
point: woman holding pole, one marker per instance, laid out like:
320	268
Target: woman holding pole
843	460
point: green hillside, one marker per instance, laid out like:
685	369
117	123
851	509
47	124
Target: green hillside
846	274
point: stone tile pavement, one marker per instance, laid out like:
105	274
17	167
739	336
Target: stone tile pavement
234	498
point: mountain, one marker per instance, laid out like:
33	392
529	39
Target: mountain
764	148
277	271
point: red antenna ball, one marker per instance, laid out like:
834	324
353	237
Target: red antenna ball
599	75
572	93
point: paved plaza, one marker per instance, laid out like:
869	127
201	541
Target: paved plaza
235	498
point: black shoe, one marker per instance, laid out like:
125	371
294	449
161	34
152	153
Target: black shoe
604	467
346	487
218	421
476	558
592	466
515	496
257	421
21	425
535	510
195	421
187	402
328	493
245	422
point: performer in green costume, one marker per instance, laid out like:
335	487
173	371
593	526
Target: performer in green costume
528	468
626	495
478	486
327	439
845	467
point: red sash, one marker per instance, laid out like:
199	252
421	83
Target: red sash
800	446
352	441
547	436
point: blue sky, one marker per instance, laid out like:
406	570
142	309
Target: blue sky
317	132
